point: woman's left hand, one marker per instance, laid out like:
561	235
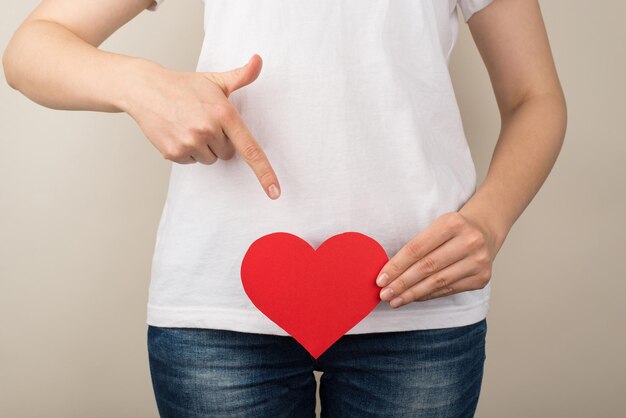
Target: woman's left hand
453	254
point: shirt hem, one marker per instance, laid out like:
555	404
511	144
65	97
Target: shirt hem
256	322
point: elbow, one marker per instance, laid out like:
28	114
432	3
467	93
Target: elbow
549	104
11	57
558	112
564	112
8	66
7	70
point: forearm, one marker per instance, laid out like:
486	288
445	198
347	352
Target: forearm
55	68
529	143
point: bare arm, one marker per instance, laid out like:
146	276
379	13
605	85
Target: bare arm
512	40
456	252
53	58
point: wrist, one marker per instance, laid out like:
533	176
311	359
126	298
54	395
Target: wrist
489	217
134	72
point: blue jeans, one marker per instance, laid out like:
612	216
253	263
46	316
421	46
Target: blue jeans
199	372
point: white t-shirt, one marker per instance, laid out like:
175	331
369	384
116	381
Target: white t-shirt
355	109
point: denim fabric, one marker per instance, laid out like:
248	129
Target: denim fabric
222	373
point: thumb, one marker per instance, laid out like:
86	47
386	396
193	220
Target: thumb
234	79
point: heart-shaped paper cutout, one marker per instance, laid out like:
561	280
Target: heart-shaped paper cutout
316	296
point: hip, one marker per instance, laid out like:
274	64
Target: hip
402	373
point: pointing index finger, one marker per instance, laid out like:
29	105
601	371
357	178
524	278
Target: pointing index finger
245	144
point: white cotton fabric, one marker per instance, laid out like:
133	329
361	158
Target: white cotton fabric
355	109
469	7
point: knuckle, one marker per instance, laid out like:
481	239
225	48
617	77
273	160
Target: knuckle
474	239
226	153
425	297
483	257
174	153
212	131
211	159
252	152
480	281
189	143
408	295
480	240
266	176
401	285
207	130
454	220
427	265
394	268
448	290
230	153
201	127
167	154
443	288
223	111
489	271
413	249
441	283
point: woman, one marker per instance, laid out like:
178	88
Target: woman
355	110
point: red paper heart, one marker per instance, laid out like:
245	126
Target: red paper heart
316	296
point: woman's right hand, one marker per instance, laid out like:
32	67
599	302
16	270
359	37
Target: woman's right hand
187	116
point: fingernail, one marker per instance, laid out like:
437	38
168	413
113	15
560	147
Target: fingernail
396	302
382	279
386	293
274	191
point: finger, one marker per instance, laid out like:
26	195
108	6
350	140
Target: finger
447	253
441	230
221	146
185	160
217	143
239	77
443	281
203	154
463	285
253	154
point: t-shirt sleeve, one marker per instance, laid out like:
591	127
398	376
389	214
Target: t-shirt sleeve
469	7
155	5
